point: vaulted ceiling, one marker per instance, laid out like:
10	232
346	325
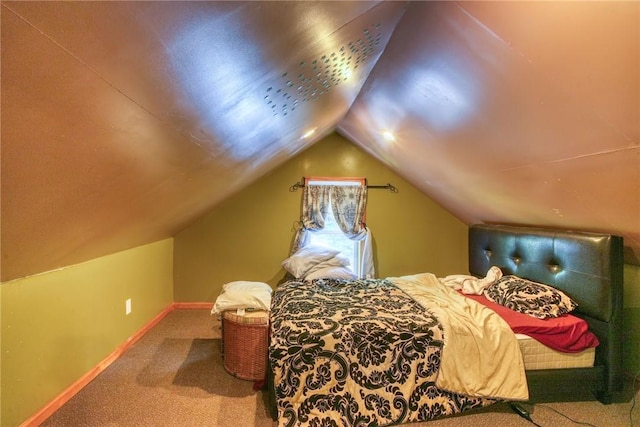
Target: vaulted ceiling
122	122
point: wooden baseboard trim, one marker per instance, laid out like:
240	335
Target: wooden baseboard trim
74	388
193	305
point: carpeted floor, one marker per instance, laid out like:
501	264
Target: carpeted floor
174	376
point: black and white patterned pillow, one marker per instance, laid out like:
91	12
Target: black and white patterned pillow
532	298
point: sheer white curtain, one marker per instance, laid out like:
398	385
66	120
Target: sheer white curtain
348	207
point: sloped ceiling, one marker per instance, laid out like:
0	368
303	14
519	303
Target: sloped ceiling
122	122
519	112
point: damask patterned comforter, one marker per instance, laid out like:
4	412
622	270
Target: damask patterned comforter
357	353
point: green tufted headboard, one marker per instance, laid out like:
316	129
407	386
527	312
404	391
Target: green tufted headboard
587	266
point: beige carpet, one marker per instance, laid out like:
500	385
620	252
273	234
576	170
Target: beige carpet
174	376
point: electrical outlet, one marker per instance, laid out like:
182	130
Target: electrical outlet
127	306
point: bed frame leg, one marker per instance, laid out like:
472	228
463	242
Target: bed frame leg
604	397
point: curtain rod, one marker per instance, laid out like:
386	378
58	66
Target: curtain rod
388	186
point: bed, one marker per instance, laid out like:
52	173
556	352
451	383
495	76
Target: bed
397	350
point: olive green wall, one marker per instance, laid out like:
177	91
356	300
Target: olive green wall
632	319
247	236
59	325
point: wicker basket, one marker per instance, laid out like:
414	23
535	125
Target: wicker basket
244	344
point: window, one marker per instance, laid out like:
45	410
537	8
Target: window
332	236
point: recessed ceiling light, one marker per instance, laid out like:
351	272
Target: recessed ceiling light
388	135
309	133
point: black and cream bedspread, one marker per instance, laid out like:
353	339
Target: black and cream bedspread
356	353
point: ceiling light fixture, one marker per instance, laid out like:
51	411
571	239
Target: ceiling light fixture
388	136
309	133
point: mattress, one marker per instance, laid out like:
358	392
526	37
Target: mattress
537	356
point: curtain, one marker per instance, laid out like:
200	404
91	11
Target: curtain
315	200
348	207
349	203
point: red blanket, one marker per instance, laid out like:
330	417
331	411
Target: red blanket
567	333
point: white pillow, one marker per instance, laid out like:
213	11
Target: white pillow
305	258
331	273
336	261
242	294
246	286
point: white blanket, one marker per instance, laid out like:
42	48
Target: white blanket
471	284
481	356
